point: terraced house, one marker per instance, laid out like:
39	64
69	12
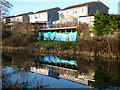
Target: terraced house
7	19
84	9
18	18
44	16
22	17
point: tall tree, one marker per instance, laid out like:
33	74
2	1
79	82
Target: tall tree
105	23
4	8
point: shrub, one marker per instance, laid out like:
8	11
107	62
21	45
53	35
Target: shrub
30	39
6	34
67	45
5	26
16	39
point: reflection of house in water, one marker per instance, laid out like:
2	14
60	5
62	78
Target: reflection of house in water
54	60
52	73
62	72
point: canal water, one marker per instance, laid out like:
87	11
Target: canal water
28	70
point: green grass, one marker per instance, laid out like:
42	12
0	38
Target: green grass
55	43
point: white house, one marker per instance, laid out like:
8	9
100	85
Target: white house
7	19
85	9
21	17
42	16
18	18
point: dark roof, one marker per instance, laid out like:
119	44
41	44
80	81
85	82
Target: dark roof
19	15
46	10
24	14
8	17
80	5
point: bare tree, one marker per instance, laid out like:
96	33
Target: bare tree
4	8
83	30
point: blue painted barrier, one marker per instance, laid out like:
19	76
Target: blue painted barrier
69	36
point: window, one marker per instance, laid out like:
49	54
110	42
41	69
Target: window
68	13
75	12
82	9
61	15
35	17
96	11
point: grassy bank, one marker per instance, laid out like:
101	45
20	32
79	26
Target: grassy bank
92	47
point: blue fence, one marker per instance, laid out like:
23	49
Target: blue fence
66	36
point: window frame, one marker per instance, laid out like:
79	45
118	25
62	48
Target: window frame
75	12
96	12
68	13
82	10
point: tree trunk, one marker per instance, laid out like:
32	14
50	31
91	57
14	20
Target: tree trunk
108	44
110	54
0	49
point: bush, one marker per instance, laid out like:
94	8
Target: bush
6	34
5	26
30	39
67	45
16	40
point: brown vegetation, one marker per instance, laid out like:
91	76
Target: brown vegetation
21	38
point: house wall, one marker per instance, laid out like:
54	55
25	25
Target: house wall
96	6
6	20
18	19
26	18
53	15
12	19
38	17
88	19
69	13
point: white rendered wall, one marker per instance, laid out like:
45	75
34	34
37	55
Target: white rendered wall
38	17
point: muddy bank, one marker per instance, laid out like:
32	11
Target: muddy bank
67	53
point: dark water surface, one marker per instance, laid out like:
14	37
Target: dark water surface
31	70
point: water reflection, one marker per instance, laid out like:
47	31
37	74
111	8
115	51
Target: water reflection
54	60
52	71
60	68
108	80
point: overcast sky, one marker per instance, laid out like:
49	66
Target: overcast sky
24	6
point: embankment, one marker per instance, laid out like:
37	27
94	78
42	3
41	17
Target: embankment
70	52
